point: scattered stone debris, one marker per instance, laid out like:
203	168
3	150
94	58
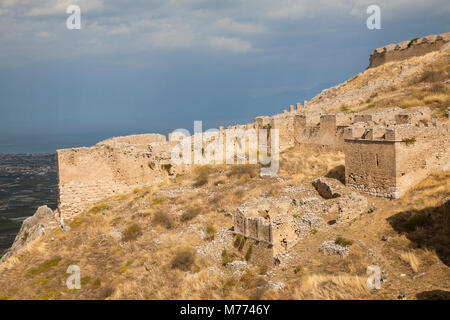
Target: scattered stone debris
214	248
116	234
402	295
276	285
351	206
371	209
419	275
384	238
330	247
238	267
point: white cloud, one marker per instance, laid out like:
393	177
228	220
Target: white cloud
121	29
227	24
43	34
58	7
231	26
231	44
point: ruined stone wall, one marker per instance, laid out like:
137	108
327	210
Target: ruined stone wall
408	49
328	131
370	166
387	161
428	153
253	227
112	167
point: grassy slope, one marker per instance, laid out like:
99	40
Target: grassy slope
419	81
143	265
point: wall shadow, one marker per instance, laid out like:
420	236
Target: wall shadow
337	173
426	228
433	295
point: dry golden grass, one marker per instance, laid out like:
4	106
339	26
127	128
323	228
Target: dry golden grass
410	258
329	287
431	191
425	86
141	265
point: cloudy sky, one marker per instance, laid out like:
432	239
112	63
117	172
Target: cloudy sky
156	65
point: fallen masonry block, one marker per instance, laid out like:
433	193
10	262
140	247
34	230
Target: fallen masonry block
328	188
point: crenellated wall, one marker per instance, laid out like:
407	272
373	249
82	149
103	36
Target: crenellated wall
408	49
386	161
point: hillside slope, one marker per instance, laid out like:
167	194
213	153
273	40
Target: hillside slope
174	241
418	81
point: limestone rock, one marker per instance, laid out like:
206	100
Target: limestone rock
32	228
328	188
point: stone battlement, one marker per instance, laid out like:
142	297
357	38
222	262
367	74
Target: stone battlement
386	161
407	49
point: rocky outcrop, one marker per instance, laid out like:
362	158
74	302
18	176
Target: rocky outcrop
32	228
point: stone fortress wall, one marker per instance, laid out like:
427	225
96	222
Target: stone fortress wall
385	159
408	49
386	150
111	167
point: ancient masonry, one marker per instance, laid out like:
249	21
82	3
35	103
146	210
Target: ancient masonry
407	49
111	167
386	151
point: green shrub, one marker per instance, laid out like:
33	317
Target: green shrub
132	233
210	232
98	208
96	284
157	201
263	269
432	76
46	266
76	222
242	169
409	141
167	167
163	219
226	257
343	242
189	214
183	259
201	180
412	42
298	269
313	231
248	255
239	242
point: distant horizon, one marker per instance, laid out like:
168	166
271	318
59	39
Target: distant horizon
157	66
